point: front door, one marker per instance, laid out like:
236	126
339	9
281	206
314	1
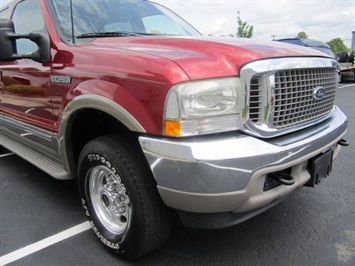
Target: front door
26	102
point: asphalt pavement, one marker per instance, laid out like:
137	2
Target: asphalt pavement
42	222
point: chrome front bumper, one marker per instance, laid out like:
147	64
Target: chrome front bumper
226	172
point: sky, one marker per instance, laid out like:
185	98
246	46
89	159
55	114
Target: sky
321	19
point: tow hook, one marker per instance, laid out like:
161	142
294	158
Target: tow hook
273	180
283	178
343	142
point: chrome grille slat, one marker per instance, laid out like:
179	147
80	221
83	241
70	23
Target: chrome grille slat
255	100
293	97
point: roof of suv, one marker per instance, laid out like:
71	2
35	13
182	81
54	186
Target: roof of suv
318	45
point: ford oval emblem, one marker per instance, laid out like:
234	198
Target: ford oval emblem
319	93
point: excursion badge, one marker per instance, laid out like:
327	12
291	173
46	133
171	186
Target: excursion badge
61	79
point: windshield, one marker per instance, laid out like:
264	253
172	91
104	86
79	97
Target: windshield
107	16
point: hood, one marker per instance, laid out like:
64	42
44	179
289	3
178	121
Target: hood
206	57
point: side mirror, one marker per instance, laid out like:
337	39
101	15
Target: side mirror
8	45
8	51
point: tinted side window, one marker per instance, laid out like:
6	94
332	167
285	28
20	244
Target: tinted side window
4	13
27	18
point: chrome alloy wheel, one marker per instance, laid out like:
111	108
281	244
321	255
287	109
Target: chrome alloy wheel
109	199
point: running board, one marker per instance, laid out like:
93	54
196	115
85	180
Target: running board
47	165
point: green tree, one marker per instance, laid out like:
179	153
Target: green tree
302	35
244	30
337	45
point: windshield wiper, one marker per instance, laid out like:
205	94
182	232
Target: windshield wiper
112	34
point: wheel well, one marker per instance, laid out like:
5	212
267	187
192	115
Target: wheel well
89	124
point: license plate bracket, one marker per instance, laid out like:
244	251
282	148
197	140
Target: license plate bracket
320	167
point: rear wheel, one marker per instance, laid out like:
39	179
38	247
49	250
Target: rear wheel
120	197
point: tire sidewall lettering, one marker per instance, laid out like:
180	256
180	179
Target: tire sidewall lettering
102	160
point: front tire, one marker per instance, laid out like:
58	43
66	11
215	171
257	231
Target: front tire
120	197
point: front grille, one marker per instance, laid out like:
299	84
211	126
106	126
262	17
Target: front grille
292	101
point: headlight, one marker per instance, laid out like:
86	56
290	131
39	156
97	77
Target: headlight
202	107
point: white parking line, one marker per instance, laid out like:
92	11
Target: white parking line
6	155
345	86
30	249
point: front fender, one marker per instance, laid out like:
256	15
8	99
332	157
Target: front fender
109	98
115	100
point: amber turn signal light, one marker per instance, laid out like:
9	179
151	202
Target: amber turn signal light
172	128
